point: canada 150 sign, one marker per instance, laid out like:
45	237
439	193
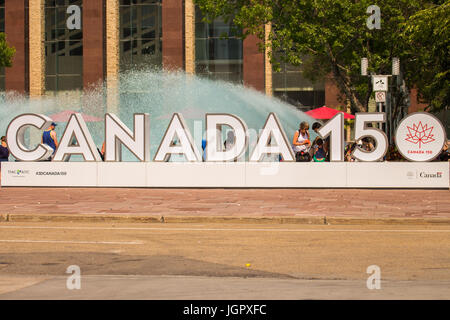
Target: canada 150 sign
419	137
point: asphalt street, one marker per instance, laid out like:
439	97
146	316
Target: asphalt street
223	261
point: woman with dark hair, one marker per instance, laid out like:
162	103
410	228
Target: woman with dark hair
4	151
316	126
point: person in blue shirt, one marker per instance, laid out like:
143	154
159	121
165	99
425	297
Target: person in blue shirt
49	138
204	151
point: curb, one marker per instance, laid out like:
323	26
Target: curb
220	219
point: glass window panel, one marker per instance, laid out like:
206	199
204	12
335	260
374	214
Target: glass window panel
126	32
125	16
63	48
149	35
76	36
148	16
76	48
50	65
2	80
70	82
140	32
126	47
61	17
290	85
201	50
201	30
225	49
50	83
217	57
69	65
61	45
2	19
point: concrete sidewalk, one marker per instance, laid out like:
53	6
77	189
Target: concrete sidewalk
186	287
313	206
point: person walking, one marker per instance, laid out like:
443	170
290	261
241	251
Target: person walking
50	139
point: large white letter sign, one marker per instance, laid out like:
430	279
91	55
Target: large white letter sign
15	136
117	133
361	131
85	146
420	136
214	123
335	129
178	129
272	130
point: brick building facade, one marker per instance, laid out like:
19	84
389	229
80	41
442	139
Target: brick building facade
66	45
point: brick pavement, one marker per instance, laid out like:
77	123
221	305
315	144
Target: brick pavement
360	203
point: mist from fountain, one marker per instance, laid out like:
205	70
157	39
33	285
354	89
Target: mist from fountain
159	93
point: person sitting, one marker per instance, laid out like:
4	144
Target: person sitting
230	141
443	156
349	151
326	143
301	143
4	151
204	150
50	139
392	153
367	144
319	152
102	152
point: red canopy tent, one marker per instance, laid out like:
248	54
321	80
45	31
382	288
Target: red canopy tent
64	116
327	113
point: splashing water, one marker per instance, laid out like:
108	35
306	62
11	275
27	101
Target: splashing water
160	94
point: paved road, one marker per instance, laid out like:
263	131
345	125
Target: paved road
223	260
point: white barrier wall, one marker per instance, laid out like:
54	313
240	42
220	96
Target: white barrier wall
227	175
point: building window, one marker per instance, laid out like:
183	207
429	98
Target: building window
140	34
290	86
63	45
2	29
217	57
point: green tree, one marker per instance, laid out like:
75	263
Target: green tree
332	34
428	34
6	52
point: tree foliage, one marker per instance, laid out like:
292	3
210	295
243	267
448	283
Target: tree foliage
333	35
428	34
6	52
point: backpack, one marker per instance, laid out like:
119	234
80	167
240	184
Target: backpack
302	156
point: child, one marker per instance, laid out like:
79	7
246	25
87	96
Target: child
319	153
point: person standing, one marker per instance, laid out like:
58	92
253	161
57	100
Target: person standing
50	139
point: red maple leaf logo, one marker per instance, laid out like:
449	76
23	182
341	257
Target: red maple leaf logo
419	134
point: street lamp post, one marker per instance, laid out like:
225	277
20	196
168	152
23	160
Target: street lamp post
380	85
